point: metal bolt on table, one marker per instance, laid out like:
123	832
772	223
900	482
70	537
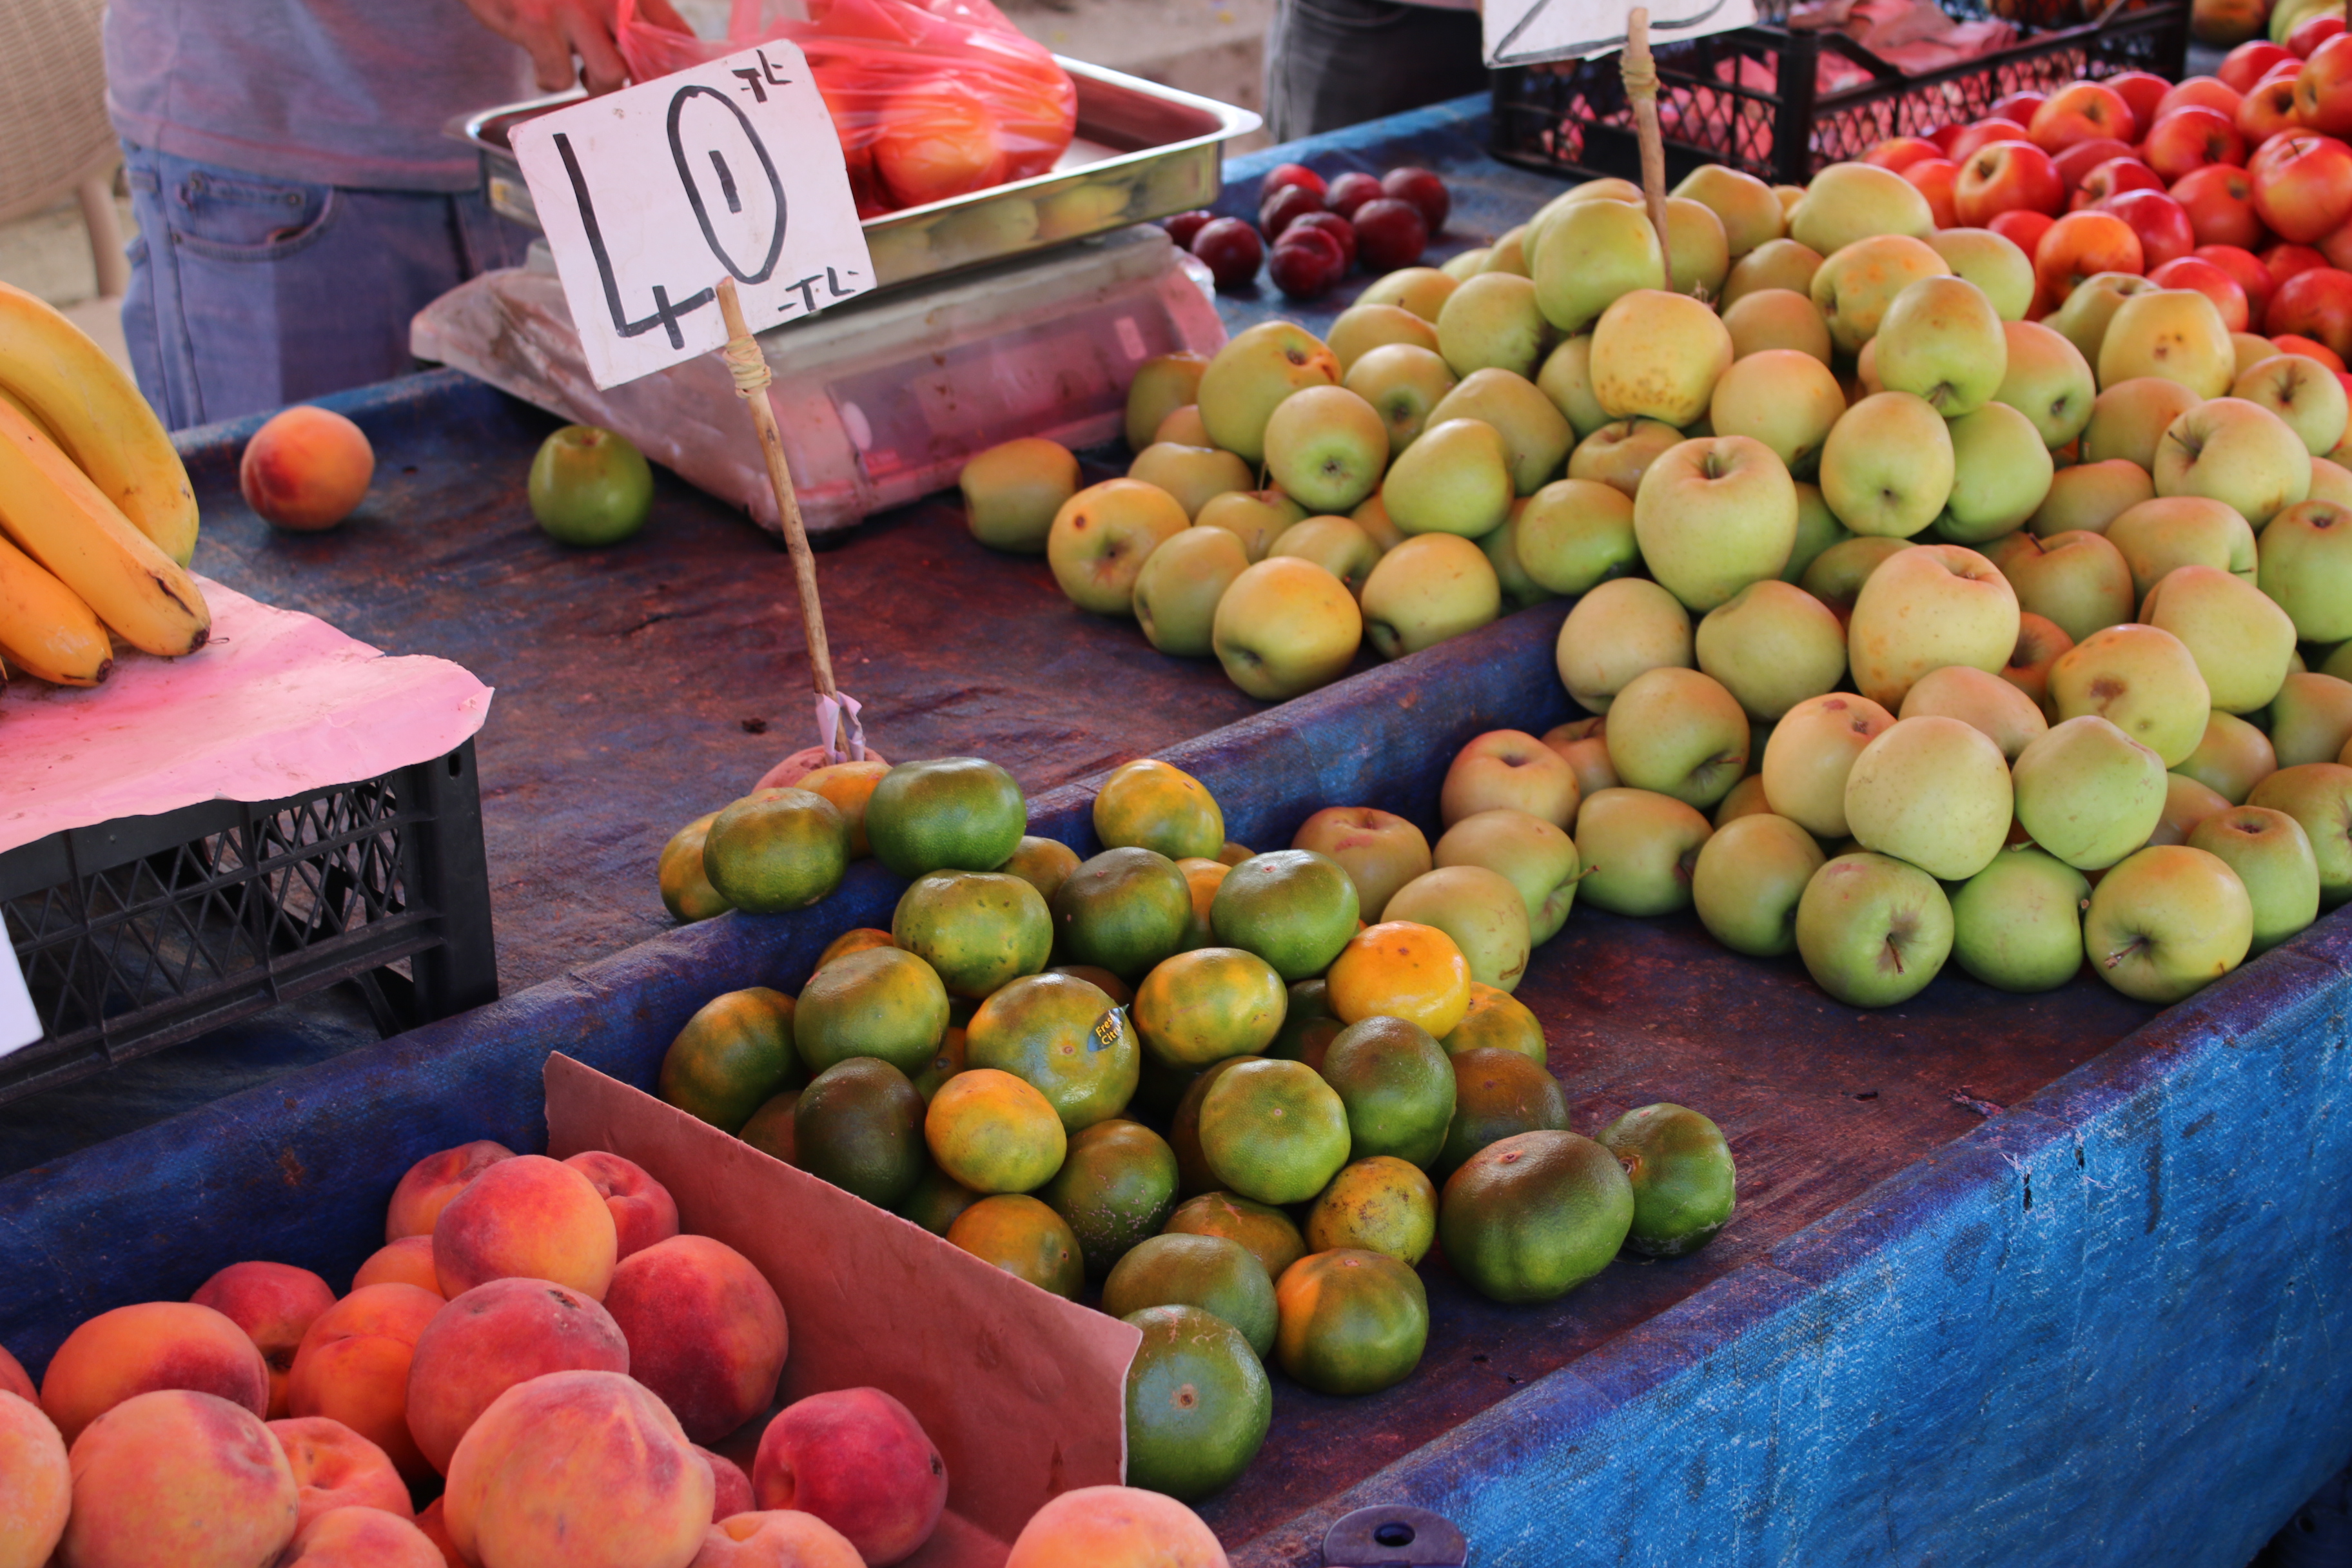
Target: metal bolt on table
1391	1535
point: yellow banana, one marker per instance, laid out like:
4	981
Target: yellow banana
56	516
45	628
55	373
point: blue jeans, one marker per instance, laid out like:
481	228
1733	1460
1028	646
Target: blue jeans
248	293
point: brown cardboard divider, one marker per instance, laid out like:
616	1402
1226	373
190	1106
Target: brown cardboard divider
1025	1393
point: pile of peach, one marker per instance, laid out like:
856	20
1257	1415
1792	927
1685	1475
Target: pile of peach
539	1344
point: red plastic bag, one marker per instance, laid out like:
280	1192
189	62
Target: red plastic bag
932	97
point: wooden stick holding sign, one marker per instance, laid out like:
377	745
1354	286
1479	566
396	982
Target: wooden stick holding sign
1641	76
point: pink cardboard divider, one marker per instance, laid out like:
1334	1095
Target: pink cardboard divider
1025	1393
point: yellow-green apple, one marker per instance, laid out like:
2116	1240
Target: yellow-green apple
1011	491
1941	340
2305	564
1427	589
1697	247
1751	213
1993	263
2331	481
1617	631
1783	397
2166	923
1574	534
2273	858
1469	265
2130	417
1872	931
1403	383
1424	291
2235	451
2231	759
2143	680
1621	452
2089	794
1194	475
1176	592
1567	379
1360	328
2017	925
1592	253
1255	370
1285	627
1849	202
1327	447
1887	467
1584	744
2251	350
1771	645
2310	719
1775	264
1817	529
1162	384
2041	643
2077	581
2173	334
1858	285
2187	802
1379	851
2340	663
1775	319
1811	752
1638	848
1747	879
1502	551
2302	392
1986	703
2171	531
1509	253
2000	474
2092	302
1101	538
2048	381
1747	797
1335	544
2318	795
1838	572
2086	497
1492	319
1509	768
1456	479
1932	791
1680	733
1256	518
1184	428
1482	911
2240	640
1927	606
1535	435
1533	856
1656	355
1713	515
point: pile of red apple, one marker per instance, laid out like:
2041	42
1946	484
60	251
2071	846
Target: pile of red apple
1320	232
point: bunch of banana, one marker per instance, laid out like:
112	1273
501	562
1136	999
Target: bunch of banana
97	517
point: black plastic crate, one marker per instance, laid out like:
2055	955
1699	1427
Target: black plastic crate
140	934
1571	117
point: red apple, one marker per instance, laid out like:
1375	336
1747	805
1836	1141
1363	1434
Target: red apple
2268	111
1943	136
2219	201
2020	106
2197	92
2313	32
2337	248
1983	133
2322	89
2084	157
2190	138
2141	91
2079	111
1284	174
2291	343
1936	179
2161	223
2243	66
2315	304
2022	227
1350	191
2303	185
1899	152
2112	179
2081	244
2007	176
2285	260
2246	269
2190	273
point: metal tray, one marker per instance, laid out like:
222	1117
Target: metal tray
1155	150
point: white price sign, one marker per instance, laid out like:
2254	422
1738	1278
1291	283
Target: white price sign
20	1025
1522	32
651	195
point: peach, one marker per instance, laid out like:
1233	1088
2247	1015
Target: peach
530	1216
306	468
360	1538
37	1484
705	1329
642	1210
175	1478
781	1538
274	1304
335	1468
578	1470
14	1379
434	1527
353	1367
431	1182
859	1460
153	1345
408	1261
1115	1527
493	1337
731	1489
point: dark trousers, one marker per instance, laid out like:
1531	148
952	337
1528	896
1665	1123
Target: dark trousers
1330	63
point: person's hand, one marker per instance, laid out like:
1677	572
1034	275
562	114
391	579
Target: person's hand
554	31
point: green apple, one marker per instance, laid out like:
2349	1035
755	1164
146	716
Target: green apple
1427	589
1011	491
1285	627
2049	382
588	487
2302	393
1583	744
1771	645
1184	427
1534	856
2159	536
1932	791
1162	384
2086	497
2078	581
2340	663
1575	534
1782	397
1941	340
1986	703
1617	631
1838	572
2083	318
1256	518
1535	435
1679	734
1747	797
1194	475
1176	592
1810	754
2002	473
1359	328
1817	529
1379	851
1621	452
1638	848
2305	564
1592	252
1482	911
1567	379
2129	419
1886	468
1849	202
2177	334
2089	794
1334	544
1772	318
2232	759
2166	923
1404	383
1713	516
1255	370
1656	355
1502	551
1697	247
1467	264
1872	931
1775	264
2040	644
1327	448
2143	680
2187	802
2330	481
1101	538
1747	879
1927	606
1456	479
2318	795
1422	291
1750	212
2017	925
1508	769
1857	285
1993	263
2251	350
2310	719
2272	856
1493	320
2234	451
2240	640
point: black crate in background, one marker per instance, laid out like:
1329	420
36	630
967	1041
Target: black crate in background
1571	117
140	934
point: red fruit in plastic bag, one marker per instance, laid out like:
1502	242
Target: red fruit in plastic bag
1231	249
938	140
1389	234
1425	190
